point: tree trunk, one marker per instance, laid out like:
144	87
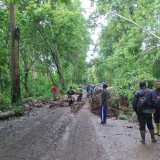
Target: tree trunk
48	71
1	84
15	71
54	53
59	69
34	75
26	81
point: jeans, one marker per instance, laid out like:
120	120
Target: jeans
103	114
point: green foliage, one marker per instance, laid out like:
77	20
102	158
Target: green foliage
19	110
123	60
56	25
4	99
4	107
123	117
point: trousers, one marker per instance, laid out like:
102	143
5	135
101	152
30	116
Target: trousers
156	117
145	118
103	113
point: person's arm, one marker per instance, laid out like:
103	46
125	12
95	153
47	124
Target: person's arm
102	99
154	100
108	97
135	101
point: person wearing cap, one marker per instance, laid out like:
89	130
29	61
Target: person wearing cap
144	115
104	104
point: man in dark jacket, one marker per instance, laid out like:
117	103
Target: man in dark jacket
145	115
104	104
157	108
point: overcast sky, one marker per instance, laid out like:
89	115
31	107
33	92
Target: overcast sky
86	4
89	9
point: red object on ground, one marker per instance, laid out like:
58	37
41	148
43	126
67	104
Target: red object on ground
54	89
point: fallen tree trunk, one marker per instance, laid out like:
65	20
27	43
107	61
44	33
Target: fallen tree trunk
6	115
59	104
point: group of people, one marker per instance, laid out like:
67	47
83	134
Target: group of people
146	104
91	90
71	92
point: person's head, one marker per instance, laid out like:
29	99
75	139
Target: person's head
158	84
142	84
70	87
105	86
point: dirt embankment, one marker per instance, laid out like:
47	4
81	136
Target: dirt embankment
117	105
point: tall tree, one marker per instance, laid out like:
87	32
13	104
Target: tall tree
15	70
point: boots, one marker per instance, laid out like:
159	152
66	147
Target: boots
143	136
153	136
157	129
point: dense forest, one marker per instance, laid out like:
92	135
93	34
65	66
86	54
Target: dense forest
129	44
45	42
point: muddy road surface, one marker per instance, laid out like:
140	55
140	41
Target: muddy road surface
57	134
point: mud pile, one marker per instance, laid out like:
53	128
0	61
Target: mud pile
95	102
112	111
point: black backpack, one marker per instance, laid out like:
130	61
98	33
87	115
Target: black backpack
143	101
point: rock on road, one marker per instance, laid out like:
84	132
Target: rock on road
58	134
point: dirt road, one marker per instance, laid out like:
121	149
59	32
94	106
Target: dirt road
58	134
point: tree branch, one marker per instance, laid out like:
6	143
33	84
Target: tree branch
136	24
45	39
150	49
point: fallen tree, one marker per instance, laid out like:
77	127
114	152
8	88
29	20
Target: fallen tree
6	115
53	104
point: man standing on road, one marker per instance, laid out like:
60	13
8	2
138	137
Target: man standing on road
104	104
157	108
143	106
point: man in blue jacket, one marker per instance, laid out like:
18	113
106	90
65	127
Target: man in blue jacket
145	115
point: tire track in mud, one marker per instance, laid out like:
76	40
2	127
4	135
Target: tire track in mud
58	134
13	129
43	131
82	142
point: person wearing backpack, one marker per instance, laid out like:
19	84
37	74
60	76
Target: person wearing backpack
143	105
157	108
